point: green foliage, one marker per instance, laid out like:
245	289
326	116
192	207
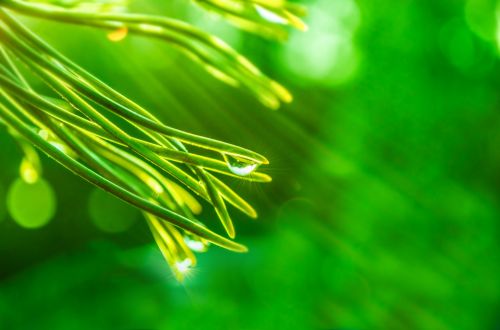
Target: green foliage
112	142
384	205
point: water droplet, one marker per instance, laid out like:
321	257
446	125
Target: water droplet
28	171
240	166
269	15
118	35
59	145
183	266
196	244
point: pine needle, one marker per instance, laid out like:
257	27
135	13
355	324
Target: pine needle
145	162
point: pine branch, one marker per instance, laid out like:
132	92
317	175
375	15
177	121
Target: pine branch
144	162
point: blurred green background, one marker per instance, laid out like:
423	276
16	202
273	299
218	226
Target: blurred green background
383	213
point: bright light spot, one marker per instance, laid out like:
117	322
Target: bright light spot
109	213
326	53
238	166
183	266
270	16
195	245
31	205
243	170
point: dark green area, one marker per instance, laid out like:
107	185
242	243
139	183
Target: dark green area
385	205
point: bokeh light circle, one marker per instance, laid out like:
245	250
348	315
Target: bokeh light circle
110	214
31	205
335	57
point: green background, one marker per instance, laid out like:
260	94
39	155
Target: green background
385	205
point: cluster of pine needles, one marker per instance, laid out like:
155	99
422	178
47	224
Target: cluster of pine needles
102	136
